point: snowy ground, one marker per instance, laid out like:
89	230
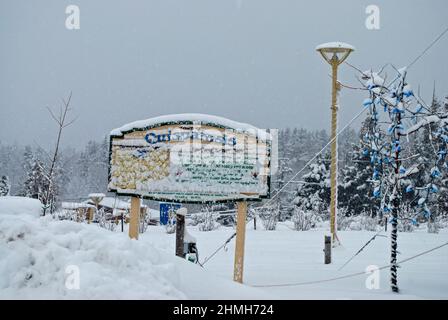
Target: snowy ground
35	253
286	256
38	256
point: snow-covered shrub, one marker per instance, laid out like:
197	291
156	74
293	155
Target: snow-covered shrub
304	220
359	222
170	227
433	226
144	222
64	214
443	222
105	220
195	219
405	226
209	221
269	217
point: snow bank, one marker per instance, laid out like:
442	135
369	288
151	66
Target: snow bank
20	205
38	256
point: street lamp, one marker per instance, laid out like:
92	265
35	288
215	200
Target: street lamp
334	53
96	199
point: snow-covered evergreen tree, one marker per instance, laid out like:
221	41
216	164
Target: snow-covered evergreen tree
353	196
280	179
312	198
5	186
36	182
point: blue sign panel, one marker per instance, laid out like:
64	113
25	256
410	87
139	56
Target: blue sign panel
165	209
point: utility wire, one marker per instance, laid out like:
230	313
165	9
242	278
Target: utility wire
359	251
287	183
428	47
348	275
317	154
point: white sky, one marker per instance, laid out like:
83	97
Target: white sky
248	60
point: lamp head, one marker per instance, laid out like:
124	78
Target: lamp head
335	52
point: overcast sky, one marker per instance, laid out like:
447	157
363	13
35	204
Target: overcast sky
248	60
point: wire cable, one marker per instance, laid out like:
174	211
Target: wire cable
348	275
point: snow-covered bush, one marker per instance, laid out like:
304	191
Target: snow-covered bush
63	214
209	222
443	222
269	217
195	219
205	220
363	221
170	227
105	220
405	225
304	220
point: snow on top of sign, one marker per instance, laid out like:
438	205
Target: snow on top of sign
194	117
335	44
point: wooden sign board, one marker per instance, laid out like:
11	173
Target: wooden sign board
190	158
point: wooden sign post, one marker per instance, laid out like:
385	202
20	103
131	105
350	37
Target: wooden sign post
135	218
90	214
239	244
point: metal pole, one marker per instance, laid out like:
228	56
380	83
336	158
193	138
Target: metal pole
334	152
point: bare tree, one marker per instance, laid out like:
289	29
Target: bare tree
61	120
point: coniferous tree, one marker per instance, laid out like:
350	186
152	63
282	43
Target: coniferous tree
4	186
312	197
36	183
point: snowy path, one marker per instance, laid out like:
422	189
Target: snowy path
286	256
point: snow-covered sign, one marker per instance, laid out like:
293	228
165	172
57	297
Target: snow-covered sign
190	158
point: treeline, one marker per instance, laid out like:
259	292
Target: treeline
77	172
83	171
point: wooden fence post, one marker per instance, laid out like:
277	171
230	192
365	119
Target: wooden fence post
239	243
135	217
327	249
180	232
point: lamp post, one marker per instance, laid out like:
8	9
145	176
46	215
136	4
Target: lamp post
96	199
334	53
